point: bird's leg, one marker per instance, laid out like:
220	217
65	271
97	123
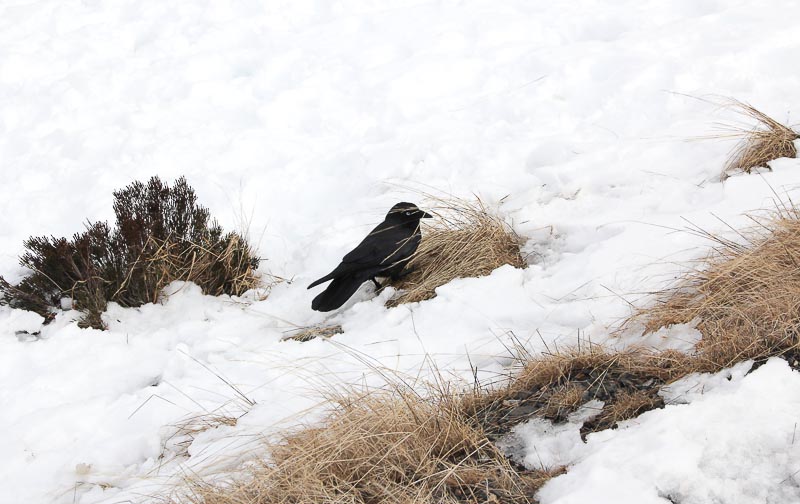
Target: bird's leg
377	284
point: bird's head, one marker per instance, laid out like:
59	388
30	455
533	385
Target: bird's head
406	212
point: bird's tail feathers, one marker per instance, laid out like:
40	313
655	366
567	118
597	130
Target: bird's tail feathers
336	294
321	280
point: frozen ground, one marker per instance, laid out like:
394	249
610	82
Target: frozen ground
303	121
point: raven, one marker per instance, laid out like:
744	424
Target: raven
383	253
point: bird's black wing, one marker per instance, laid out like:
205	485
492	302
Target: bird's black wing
379	245
375	251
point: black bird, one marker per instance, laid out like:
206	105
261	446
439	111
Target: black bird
383	253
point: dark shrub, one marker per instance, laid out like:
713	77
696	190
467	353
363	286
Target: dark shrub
161	235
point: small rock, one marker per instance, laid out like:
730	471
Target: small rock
523	411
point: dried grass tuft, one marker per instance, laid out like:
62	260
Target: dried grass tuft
594	363
313	332
553	385
563	400
766	141
630	404
464	239
217	266
744	297
185	432
389	447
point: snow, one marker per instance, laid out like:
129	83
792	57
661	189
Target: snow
734	443
541	444
302	123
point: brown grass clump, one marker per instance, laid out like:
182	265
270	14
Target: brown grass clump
767	141
464	239
312	332
188	429
630	404
553	385
563	400
217	266
744	297
383	447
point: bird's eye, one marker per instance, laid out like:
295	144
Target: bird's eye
408	212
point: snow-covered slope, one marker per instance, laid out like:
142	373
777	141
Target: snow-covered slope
304	122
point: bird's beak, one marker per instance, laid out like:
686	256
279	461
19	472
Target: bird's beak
426	215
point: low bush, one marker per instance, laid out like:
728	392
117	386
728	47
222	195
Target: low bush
161	234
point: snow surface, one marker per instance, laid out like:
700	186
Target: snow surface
302	122
734	443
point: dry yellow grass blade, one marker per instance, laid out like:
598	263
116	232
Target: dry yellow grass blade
766	141
464	239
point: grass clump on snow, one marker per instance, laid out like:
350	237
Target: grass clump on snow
554	385
766	141
186	431
743	297
161	235
389	446
464	239
309	333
